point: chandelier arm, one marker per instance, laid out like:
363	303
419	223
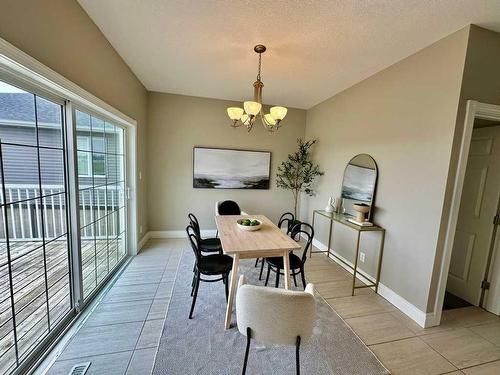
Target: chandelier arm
236	123
270	128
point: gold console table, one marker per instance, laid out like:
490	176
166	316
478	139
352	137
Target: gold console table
343	219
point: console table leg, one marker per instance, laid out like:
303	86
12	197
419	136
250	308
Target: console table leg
311	249
356	263
380	254
329	240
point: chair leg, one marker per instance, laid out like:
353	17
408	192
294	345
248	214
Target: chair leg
303	277
268	272
226	283
247	350
256	262
193	284
195	295
294	278
261	268
277	278
297	355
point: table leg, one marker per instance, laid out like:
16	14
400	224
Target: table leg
356	263
232	290
380	255
286	264
311	249
329	240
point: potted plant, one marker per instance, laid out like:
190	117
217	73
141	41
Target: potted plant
298	172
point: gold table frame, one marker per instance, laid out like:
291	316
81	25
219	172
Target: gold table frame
342	219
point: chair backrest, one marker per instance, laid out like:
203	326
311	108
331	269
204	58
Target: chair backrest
193	221
227	208
302	229
288	219
275	316
195	242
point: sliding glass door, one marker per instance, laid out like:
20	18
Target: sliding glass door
63	215
35	275
101	193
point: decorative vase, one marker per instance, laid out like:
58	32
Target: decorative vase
330	206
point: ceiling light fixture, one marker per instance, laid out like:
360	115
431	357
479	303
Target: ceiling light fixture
253	109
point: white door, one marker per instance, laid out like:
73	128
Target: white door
478	207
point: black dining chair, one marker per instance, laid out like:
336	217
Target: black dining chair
276	265
227	208
207	245
287	219
207	265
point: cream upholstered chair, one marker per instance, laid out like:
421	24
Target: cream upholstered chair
275	316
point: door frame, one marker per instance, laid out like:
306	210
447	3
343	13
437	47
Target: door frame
474	109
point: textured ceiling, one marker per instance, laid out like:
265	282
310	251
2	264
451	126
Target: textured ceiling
315	48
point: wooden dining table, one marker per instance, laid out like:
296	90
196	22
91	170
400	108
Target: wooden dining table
268	241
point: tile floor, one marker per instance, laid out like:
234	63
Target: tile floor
467	341
121	335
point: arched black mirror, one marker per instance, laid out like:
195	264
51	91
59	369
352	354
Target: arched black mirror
359	184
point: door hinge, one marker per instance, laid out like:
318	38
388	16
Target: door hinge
485	284
496	220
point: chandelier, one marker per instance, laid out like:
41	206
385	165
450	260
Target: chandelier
253	109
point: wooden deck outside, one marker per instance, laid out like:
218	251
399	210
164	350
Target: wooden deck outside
32	291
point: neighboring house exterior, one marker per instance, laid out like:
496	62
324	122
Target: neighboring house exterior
100	165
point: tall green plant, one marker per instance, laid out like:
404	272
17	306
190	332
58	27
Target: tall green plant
298	172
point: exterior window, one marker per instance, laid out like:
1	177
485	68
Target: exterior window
98	163
98	156
84	165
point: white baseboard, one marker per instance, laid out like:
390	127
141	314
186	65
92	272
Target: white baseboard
179	233
421	318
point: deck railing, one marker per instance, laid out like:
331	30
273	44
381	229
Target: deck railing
27	211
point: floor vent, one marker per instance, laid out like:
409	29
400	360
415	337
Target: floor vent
80	369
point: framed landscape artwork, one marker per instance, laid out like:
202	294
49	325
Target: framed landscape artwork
220	168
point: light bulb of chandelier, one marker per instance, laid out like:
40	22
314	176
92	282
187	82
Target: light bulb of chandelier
269	119
245	119
252	108
278	113
234	113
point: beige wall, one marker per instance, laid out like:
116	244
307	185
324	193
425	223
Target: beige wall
404	117
481	82
59	34
176	124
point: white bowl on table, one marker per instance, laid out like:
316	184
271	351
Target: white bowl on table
249	228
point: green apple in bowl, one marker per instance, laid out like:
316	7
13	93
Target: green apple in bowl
249	224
